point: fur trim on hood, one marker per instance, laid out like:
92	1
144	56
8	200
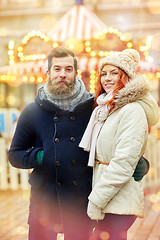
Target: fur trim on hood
138	89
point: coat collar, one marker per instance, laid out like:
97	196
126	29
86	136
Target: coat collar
51	107
138	90
134	90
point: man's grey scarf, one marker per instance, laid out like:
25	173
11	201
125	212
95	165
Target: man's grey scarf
78	95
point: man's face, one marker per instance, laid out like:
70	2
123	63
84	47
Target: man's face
61	76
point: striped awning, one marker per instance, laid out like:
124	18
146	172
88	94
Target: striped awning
84	64
79	23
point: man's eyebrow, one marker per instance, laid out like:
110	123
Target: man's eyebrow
56	66
65	66
70	66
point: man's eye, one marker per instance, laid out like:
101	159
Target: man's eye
69	69
56	69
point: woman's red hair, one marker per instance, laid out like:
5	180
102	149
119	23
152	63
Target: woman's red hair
123	79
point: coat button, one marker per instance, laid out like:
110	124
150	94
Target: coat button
73	162
56	140
58	184
72	118
75	183
55	119
58	163
72	139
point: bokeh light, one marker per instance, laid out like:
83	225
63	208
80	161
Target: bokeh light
21	230
155	199
104	235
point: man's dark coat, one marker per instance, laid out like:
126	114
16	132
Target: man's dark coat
63	180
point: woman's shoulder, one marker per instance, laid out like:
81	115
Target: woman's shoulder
133	112
133	106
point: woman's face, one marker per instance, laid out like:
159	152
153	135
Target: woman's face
109	77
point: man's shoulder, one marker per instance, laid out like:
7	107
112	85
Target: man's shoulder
88	96
91	95
29	109
86	103
30	106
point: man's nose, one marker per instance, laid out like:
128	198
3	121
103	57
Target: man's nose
62	73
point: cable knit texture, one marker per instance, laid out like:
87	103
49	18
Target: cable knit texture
127	60
78	95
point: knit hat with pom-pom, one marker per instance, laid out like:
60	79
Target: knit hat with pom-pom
127	60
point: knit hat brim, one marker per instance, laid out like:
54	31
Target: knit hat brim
126	60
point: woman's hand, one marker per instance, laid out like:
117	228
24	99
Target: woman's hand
39	157
94	212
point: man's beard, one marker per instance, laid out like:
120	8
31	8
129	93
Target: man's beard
57	90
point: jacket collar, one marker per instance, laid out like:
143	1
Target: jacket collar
138	90
51	107
134	90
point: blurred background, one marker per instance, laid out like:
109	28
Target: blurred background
29	29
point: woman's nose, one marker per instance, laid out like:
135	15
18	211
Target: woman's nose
108	77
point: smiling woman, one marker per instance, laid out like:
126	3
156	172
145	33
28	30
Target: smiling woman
109	77
116	138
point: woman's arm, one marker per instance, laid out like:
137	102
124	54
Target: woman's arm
131	137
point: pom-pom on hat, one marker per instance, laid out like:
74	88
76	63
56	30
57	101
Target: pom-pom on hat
127	60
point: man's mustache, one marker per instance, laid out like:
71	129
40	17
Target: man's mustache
59	81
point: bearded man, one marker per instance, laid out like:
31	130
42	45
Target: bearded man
46	140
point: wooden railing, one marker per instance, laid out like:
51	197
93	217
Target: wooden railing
152	153
12	178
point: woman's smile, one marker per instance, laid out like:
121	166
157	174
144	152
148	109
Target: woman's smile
109	77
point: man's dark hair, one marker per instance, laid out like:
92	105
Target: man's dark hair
59	52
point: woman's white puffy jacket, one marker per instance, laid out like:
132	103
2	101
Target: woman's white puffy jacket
121	143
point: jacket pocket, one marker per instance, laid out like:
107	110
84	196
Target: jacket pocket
36	179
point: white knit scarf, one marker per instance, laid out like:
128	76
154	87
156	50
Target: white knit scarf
99	115
79	94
